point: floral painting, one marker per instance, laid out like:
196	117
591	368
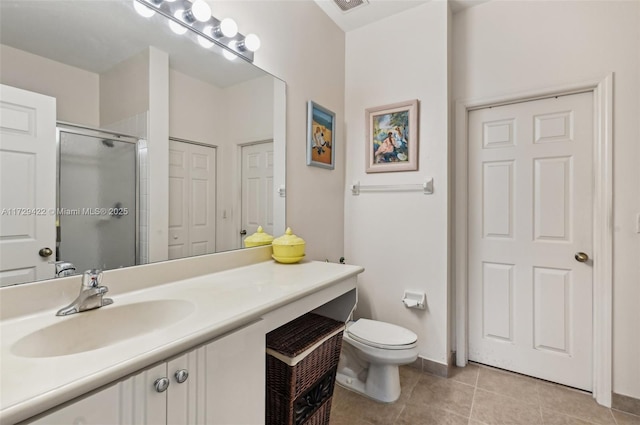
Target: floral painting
392	137
320	136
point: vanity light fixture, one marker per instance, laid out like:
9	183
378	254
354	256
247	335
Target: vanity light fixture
207	44
251	43
229	56
193	19
176	27
227	28
143	10
199	11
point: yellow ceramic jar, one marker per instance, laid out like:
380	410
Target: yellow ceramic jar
288	248
258	238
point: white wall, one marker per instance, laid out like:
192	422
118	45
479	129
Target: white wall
401	239
508	47
303	47
124	89
196	109
76	90
158	155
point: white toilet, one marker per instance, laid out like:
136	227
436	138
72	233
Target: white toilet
371	354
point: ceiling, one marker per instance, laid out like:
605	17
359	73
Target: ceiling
376	10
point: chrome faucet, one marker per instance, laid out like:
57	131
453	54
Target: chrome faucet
91	294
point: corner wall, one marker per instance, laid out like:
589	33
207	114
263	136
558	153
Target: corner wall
401	238
503	48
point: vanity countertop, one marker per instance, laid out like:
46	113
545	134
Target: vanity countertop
218	303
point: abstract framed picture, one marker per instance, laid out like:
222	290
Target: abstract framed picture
392	137
321	124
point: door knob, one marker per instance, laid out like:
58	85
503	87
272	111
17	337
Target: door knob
581	257
243	232
45	252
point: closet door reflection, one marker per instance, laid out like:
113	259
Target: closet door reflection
97	201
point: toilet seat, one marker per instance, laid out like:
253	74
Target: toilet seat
382	335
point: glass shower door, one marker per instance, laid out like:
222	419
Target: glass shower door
97	201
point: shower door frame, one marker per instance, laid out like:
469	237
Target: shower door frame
67	127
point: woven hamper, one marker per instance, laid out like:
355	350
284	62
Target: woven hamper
302	359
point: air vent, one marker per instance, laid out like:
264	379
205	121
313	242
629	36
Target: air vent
349	5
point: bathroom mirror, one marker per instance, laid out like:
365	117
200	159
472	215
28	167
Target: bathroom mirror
131	92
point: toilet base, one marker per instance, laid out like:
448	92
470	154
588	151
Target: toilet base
382	382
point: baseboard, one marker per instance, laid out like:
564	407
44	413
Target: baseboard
625	403
431	366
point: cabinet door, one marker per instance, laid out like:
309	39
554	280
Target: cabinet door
186	400
133	401
141	402
102	407
235	377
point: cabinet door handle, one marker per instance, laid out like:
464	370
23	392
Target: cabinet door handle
182	375
161	384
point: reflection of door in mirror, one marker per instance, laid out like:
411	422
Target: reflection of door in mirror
97	205
192	199
28	185
257	188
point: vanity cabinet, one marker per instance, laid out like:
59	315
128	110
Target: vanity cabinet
221	382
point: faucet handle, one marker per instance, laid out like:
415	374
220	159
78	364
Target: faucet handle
91	278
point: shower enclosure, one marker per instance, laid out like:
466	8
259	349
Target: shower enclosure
97	214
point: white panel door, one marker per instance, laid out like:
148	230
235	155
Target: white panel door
27	185
530	211
178	200
257	188
192	199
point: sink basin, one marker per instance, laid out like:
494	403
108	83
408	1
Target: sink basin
101	327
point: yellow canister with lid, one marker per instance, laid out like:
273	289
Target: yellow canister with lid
258	238
288	248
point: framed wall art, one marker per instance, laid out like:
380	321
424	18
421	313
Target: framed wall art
392	137
321	124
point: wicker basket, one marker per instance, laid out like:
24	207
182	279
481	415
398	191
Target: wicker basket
302	358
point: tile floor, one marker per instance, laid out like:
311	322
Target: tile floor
475	395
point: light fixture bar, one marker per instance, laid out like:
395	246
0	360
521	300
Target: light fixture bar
169	8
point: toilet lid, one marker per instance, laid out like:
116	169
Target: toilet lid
378	334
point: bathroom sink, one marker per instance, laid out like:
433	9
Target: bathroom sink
101	327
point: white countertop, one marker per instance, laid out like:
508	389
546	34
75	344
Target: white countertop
222	301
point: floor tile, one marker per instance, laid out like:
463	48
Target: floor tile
550	417
467	375
509	384
623	418
491	408
409	377
418	414
444	394
573	403
359	408
475	395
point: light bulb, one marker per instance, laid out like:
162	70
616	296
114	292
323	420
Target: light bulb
203	41
201	10
176	27
143	10
228	27
252	42
228	55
